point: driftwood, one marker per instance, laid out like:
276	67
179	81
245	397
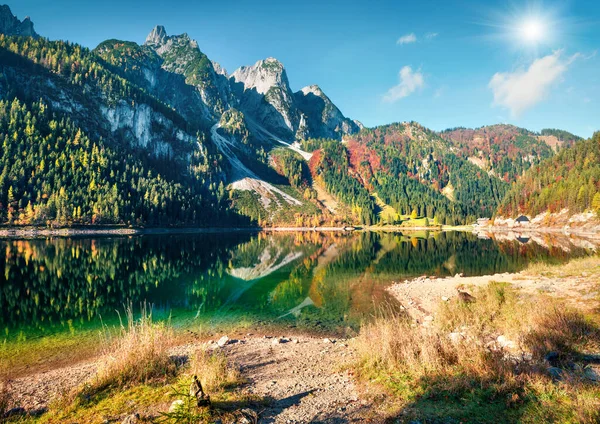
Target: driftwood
196	392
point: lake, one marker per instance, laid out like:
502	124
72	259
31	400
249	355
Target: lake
306	279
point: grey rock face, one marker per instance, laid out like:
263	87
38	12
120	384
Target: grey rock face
219	69
176	71
265	95
157	36
181	55
10	25
323	118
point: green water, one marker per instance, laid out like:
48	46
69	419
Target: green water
332	280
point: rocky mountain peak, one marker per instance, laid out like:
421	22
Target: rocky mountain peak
313	89
11	25
157	36
262	76
219	69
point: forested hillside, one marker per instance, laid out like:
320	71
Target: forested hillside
569	180
505	150
97	149
410	169
51	172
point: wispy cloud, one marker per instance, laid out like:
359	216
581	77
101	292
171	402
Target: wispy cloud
431	35
407	39
410	81
523	89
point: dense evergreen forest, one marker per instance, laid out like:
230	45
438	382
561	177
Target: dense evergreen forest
331	166
51	172
570	180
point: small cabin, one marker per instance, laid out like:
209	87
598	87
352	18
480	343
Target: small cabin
522	220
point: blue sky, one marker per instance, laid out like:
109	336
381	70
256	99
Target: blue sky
441	63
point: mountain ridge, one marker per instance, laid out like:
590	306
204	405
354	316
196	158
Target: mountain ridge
247	144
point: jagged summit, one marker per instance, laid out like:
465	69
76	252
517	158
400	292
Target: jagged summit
314	89
263	75
157	36
219	69
11	25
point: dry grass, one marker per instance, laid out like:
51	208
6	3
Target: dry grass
561	330
137	354
433	375
214	371
589	266
498	309
420	354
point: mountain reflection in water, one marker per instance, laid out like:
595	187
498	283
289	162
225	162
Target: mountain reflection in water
334	278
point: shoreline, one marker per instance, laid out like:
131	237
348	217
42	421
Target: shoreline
35	232
575	283
538	230
7	232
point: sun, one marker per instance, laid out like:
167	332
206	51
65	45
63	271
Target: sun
532	30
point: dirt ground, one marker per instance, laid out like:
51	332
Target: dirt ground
306	379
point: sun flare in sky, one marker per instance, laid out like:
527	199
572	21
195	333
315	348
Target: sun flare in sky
533	30
532	27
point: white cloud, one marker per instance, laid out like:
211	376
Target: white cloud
523	89
410	81
407	39
431	35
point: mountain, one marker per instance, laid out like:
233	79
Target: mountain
570	180
160	134
323	118
410	169
265	95
505	150
11	25
181	55
82	135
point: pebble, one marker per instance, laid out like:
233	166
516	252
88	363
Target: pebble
223	341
